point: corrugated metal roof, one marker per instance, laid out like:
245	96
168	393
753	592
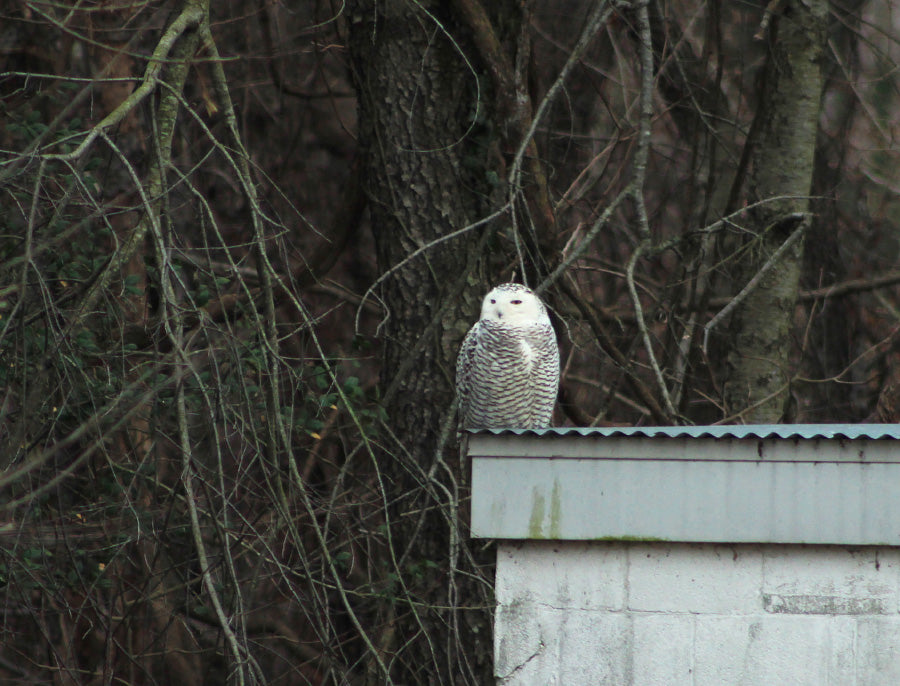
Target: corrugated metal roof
807	431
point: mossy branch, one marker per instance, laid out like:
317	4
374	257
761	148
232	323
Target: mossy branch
166	116
192	15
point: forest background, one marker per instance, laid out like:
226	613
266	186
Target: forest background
240	244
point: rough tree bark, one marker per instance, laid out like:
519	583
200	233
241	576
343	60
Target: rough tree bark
757	385
429	155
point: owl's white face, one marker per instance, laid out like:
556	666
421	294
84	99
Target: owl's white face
514	305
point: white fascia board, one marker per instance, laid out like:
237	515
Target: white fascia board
692	490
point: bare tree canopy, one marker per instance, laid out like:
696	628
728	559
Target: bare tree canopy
241	245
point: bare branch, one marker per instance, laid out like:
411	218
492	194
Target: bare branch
190	16
645	334
639	170
803	218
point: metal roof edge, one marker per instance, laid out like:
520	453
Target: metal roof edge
758	431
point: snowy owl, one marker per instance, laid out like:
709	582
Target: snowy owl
507	372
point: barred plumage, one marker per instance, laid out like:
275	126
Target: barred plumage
507	373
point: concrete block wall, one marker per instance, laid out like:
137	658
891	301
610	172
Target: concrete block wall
681	614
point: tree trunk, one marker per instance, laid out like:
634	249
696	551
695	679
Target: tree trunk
416	101
425	134
757	385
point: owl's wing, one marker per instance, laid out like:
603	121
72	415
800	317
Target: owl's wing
465	364
547	378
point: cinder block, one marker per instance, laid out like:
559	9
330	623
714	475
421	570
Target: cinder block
878	651
691	577
549	646
594	648
662	652
642	614
562	574
830	580
524	642
765	649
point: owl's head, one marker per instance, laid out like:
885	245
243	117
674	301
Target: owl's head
513	304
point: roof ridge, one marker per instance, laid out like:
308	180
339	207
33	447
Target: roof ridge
758	431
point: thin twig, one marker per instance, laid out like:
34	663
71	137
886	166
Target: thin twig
268	274
607	344
645	334
579	249
597	18
415	253
757	278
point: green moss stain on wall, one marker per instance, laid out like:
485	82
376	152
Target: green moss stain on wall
536	520
556	510
537	527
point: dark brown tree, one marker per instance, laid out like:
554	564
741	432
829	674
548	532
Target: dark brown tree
433	173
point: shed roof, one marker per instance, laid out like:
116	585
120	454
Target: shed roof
764	431
797	483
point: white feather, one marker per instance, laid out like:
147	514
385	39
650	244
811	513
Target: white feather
507	373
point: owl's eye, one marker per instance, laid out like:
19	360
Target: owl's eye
493	302
516	302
